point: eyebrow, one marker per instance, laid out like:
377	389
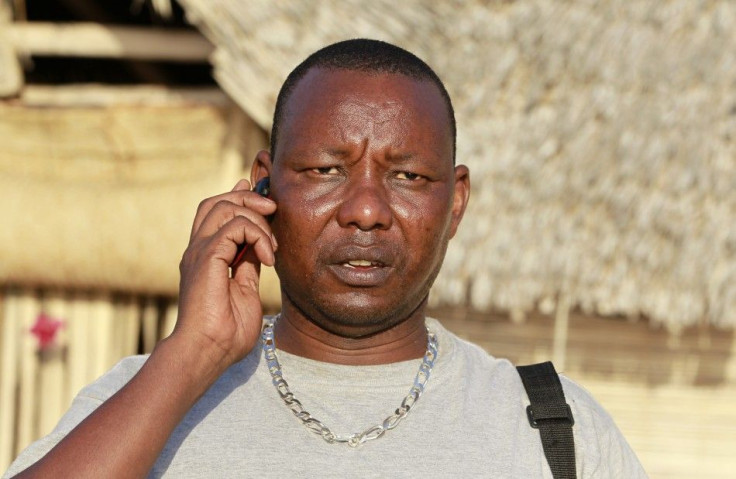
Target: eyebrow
402	157
337	152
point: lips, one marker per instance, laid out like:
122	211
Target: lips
359	266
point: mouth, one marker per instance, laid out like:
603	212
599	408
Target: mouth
362	263
358	267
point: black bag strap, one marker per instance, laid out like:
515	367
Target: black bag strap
550	414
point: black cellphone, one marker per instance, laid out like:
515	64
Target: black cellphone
263	187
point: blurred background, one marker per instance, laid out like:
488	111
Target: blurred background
600	135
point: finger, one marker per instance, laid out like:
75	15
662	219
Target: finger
244	198
225	211
240	230
248	270
242	184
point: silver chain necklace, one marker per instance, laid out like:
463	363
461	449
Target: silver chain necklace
315	425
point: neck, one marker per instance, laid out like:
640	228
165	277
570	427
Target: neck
298	335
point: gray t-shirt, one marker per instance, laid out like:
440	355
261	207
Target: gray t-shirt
470	422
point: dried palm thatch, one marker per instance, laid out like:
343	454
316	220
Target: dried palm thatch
73	179
600	137
102	196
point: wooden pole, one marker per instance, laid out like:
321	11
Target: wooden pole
100	337
107	41
11	73
78	334
95	95
52	401
559	343
149	320
28	308
9	356
172	312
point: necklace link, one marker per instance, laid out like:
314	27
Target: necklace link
315	425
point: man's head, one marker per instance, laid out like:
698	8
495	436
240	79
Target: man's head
369	56
366	190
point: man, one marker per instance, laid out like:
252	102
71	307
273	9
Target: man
364	198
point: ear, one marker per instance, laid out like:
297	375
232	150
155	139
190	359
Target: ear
460	197
261	167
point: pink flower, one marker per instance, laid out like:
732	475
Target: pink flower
45	329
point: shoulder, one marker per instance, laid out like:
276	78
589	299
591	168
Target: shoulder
452	345
600	448
601	451
463	357
597	438
584	404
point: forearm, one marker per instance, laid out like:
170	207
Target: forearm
125	435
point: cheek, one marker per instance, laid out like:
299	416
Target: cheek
313	203
297	228
293	257
290	230
427	222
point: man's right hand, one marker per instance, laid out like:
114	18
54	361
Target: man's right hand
219	323
221	315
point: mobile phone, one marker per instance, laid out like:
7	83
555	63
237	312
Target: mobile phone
263	188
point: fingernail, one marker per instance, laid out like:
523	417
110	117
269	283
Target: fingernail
273	259
240	182
274	242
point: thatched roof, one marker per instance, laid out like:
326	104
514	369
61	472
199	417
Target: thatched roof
99	185
600	137
88	189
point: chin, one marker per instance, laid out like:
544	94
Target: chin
354	316
354	312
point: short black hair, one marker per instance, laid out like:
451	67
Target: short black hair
360	54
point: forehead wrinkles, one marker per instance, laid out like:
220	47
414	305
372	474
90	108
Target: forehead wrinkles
370	112
358	118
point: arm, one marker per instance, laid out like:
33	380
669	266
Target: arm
218	324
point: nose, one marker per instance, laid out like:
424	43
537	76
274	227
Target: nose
365	206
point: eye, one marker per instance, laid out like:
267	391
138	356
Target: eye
326	170
407	175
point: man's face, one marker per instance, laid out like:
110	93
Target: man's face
367	198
